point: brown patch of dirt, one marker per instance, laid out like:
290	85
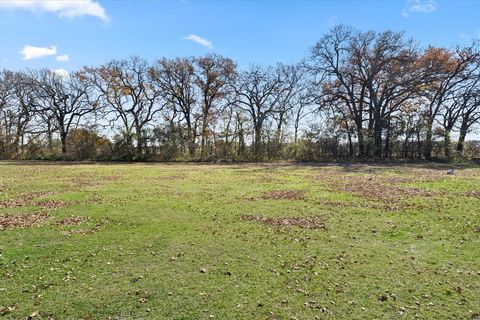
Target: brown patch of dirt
22	220
302	222
71	221
477	229
284	194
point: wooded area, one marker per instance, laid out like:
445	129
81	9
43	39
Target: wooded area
357	95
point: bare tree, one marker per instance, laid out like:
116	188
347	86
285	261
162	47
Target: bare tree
16	109
334	76
175	80
258	91
212	75
65	97
447	69
469	102
128	90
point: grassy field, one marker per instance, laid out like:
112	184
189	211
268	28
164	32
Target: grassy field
187	241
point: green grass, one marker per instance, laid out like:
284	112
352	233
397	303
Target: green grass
152	228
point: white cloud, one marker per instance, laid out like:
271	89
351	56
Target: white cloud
62	58
64	8
61	72
201	41
419	6
31	52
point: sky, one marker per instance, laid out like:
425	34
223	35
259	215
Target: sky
65	35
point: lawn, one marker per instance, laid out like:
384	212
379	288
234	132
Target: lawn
283	241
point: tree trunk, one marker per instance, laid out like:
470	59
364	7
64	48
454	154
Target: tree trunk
427	151
204	137
63	138
387	143
447	144
258	141
361	142
405	146
190	139
419	144
139	143
49	138
377	139
461	138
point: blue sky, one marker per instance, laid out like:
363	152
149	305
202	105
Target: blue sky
69	34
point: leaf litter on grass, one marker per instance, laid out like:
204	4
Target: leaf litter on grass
22	220
284	194
302	222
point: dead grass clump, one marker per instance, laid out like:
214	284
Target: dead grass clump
416	175
50	204
302	222
85	182
472	193
329	174
71	221
35	195
373	187
427	175
111	178
3	187
468	173
266	179
22	220
93	200
24	200
284	194
171	177
391	205
97	227
13	203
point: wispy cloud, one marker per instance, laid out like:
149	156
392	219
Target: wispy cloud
61	72
62	58
476	35
419	6
30	52
201	41
64	8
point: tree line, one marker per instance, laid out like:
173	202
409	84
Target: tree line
357	95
